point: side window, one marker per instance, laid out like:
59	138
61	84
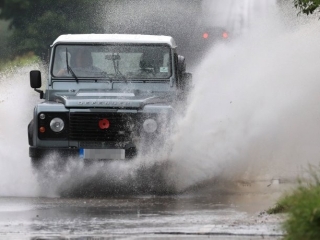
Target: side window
57	65
60	60
166	64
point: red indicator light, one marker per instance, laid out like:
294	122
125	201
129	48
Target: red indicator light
205	35
104	124
225	35
42	129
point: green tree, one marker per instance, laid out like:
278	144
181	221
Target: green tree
307	6
4	35
36	23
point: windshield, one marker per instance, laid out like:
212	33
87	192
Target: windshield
116	62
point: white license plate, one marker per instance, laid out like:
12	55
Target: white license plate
102	153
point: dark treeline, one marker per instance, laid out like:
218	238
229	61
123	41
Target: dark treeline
35	24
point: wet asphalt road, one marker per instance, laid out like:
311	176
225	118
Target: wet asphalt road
236	212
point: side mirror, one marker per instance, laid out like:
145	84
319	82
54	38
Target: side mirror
35	81
181	64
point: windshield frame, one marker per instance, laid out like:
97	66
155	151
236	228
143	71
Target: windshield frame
139	79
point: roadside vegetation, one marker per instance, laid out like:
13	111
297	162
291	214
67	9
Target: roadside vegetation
303	209
19	61
4	35
28	27
302	205
307	6
34	24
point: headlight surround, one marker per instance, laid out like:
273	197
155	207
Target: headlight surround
57	124
50	126
150	125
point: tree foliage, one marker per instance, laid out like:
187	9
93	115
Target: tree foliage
36	23
4	35
307	6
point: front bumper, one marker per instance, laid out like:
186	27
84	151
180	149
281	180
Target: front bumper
35	152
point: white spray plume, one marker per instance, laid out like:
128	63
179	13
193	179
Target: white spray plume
254	113
16	108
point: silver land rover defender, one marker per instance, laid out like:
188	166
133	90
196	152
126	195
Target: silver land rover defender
108	96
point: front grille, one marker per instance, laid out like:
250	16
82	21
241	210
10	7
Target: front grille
85	127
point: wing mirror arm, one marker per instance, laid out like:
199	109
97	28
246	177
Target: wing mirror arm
40	92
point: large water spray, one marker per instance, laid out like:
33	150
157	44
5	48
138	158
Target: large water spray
254	111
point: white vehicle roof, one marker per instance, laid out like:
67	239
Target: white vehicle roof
115	38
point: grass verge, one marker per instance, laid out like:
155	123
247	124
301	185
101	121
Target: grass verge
303	209
19	61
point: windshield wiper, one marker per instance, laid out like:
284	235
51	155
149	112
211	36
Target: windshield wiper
69	69
116	59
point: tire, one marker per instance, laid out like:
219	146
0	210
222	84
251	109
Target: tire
46	163
131	153
36	164
30	132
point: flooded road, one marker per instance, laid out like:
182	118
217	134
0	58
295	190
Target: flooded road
227	211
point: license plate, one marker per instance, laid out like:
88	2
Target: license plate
102	153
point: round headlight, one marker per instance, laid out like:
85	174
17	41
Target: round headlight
57	125
150	125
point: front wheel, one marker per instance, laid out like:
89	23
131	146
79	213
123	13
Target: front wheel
36	164
51	162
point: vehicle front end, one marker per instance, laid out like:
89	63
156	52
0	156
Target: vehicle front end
119	104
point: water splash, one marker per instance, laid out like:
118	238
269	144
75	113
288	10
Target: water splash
254	111
16	108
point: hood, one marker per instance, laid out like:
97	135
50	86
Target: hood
112	99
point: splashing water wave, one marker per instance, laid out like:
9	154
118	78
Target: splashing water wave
254	111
